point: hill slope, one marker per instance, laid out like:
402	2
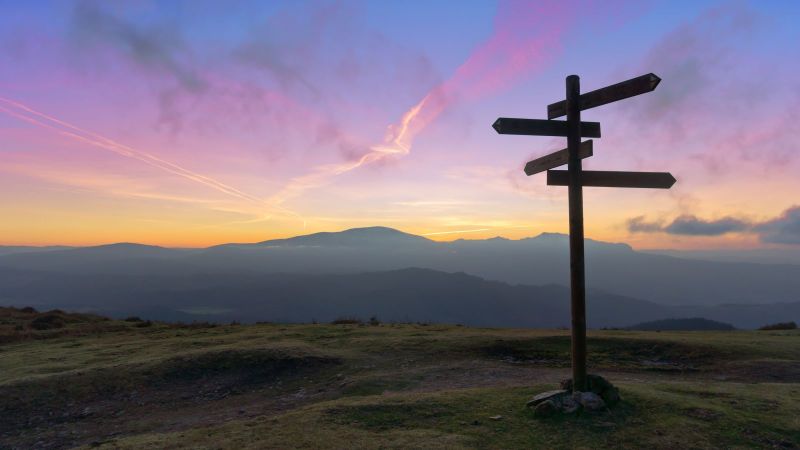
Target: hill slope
401	295
692	324
389	386
535	261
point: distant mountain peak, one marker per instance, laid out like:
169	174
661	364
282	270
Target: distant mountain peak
123	245
564	238
123	250
377	231
353	236
548	235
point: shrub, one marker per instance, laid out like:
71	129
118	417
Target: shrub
133	319
47	322
143	324
347	321
374	321
195	325
779	326
29	310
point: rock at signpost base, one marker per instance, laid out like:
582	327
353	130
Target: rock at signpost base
589	401
599	395
545	409
555	396
600	386
558	401
569	405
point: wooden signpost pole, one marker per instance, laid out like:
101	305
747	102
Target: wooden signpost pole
576	260
576	178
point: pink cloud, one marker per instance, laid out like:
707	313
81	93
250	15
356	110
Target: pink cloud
525	38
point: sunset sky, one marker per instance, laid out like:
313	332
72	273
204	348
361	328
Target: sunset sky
193	123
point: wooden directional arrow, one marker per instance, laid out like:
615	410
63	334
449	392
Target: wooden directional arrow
537	127
655	180
556	159
635	86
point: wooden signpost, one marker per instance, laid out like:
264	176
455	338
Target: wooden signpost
575	178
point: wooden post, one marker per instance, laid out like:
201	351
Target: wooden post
575	178
576	261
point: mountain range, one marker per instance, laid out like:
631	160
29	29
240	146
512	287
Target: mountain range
397	276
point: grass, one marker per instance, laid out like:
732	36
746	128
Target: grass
393	386
654	416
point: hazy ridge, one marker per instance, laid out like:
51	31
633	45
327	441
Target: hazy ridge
367	271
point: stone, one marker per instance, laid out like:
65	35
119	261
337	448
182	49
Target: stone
599	396
555	396
595	383
569	405
498	417
599	386
545	409
589	400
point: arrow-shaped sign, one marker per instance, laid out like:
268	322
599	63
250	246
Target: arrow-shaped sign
556	159
597	178
538	127
635	86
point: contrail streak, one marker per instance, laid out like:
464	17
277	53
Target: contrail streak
32	116
524	33
397	142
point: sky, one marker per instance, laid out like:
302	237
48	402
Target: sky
194	123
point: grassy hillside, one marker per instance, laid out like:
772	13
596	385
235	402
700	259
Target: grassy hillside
118	384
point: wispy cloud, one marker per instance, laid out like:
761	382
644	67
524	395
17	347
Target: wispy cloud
434	203
641	225
689	225
784	229
157	48
160	50
32	116
715	114
525	36
692	226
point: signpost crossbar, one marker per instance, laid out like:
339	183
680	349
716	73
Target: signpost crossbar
649	180
538	127
609	94
558	158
